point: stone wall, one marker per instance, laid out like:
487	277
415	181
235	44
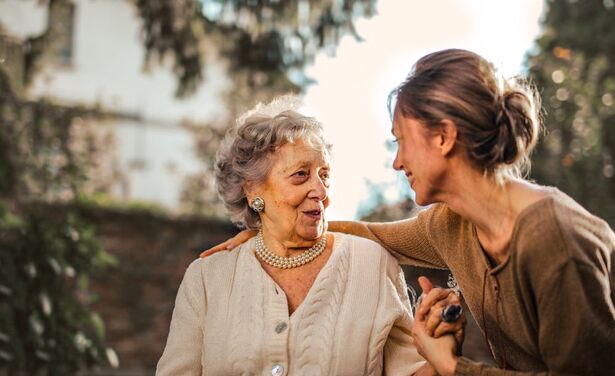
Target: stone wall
136	298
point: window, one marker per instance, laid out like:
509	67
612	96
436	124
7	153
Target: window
62	25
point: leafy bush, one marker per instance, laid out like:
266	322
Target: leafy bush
45	324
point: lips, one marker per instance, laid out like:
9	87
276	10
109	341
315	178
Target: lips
314	214
410	178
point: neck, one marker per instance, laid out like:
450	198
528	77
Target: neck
286	245
493	208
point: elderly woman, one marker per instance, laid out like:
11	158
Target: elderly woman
295	299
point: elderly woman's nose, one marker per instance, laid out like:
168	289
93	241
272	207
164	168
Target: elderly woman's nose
318	189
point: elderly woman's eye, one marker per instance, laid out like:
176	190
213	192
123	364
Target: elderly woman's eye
301	173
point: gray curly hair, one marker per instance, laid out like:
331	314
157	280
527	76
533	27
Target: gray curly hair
245	153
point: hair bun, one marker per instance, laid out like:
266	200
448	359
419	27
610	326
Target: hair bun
517	126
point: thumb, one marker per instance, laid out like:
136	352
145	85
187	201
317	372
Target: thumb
425	284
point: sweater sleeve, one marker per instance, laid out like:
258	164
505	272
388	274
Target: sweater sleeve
183	351
467	367
408	240
400	355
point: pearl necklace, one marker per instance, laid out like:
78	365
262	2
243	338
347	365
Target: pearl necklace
288	262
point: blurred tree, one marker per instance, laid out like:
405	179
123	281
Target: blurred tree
265	42
574	68
265	38
376	208
45	325
50	152
198	193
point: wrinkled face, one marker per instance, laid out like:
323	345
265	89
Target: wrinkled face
295	193
419	157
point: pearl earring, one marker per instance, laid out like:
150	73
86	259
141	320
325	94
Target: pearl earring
257	204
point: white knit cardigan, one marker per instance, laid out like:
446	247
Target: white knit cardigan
231	318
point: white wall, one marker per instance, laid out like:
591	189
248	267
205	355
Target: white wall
107	70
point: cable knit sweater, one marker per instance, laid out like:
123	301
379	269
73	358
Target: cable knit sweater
549	309
231	318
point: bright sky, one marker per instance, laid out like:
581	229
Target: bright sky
352	87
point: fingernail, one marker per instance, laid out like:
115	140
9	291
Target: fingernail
230	246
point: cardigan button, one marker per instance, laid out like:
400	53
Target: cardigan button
277	370
280	327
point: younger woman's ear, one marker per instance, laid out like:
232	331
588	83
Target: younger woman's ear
448	136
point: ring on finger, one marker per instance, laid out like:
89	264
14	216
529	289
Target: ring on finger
451	313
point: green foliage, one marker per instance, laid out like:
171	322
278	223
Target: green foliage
575	70
104	200
45	325
265	37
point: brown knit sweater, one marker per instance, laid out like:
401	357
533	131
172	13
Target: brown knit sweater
547	310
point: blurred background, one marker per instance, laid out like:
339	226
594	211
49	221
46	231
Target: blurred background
111	112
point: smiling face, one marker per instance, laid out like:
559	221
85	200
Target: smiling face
295	194
419	157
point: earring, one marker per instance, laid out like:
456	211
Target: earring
257	204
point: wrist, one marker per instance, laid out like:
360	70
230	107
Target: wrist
448	368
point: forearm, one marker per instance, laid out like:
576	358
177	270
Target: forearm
356	228
404	240
467	367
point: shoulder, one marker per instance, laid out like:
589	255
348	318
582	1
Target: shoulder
446	228
220	263
348	240
370	252
228	258
359	247
558	229
437	215
447	223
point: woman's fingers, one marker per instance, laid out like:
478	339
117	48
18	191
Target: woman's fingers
434	324
453	297
461	333
433	297
445	328
227	245
425	284
233	242
416	337
434	317
436	327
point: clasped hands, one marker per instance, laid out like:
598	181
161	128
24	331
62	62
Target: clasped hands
436	340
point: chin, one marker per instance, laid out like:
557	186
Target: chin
313	232
421	200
